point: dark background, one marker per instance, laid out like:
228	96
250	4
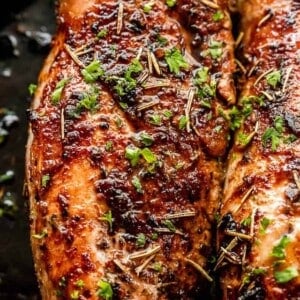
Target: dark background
25	29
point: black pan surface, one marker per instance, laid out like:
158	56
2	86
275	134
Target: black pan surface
26	29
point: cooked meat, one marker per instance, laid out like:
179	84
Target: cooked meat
124	157
259	232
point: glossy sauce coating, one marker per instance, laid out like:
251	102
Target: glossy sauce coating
259	233
124	157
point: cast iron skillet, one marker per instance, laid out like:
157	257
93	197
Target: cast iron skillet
26	28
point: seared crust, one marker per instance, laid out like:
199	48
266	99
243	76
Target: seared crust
259	233
126	147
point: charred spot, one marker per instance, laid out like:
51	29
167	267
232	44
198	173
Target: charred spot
32	115
167	246
151	221
197	40
87	294
104	125
103	244
63	204
129	97
205	250
184	188
254	291
228	223
95	154
292	193
290	18
137	21
198	292
132	222
293	122
115	189
87	264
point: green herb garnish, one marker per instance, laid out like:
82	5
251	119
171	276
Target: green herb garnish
183	120
127	83
104	290
92	72
171	3
274	134
45	180
273	78
102	33
169	224
108	218
56	94
32	88
218	16
264	223
279	250
89	101
140	240
148	7
286	275
137	184
133	154
148	155
155	119
175	60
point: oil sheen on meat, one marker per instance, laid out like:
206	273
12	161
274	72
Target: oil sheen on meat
259	232
124	158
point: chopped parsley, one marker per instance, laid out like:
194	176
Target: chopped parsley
45	180
274	78
157	266
244	139
89	101
56	94
146	139
79	283
148	7
201	76
133	154
182	122
171	3
92	72
286	275
140	240
108	218
32	88
109	146
104	290
127	83
274	134
168	114
155	119
75	295
218	16
278	251
169	224
264	223
137	184
246	222
162	41
175	60
148	155
215	49
102	33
